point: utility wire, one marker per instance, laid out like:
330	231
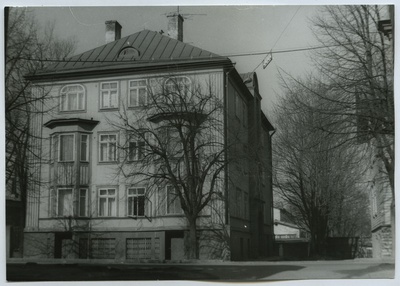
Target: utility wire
287	25
213	57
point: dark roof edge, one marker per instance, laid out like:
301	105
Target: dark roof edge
266	122
69	121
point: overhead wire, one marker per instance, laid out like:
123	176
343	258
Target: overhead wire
213	57
283	31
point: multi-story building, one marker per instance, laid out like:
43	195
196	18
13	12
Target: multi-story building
82	205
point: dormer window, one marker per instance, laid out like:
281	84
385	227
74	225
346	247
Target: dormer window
73	98
128	53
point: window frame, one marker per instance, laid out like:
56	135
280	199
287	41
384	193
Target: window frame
177	84
86	214
53	150
87	159
145	87
136	194
109	90
57	213
63	108
108	146
139	142
59	148
167	208
107	196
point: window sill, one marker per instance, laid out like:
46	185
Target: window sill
105	109
108	163
138	107
72	111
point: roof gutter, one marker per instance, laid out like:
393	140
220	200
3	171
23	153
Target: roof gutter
110	71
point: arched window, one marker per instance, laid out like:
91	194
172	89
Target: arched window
128	53
73	98
180	85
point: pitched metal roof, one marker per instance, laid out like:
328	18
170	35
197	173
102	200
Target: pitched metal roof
153	50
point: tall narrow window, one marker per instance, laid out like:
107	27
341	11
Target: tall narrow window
137	93
83	202
173	201
137	148
107	202
64	202
108	147
66	147
109	95
136	202
72	98
53	147
84	148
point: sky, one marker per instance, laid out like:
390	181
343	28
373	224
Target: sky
224	30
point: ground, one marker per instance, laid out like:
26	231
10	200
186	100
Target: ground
223	271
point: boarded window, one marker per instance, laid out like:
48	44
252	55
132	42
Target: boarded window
103	248
138	248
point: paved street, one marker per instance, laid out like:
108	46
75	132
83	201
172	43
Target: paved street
223	271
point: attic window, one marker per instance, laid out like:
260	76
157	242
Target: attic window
128	53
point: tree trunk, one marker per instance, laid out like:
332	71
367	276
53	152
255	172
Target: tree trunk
192	251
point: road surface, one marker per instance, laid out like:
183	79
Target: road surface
222	271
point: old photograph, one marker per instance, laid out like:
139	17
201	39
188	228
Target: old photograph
225	143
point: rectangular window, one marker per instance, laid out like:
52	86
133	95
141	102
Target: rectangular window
66	148
137	148
83	202
64	202
109	95
84	148
107	202
136	202
171	141
108	147
173	201
137	93
53	147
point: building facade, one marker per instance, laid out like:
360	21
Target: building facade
82	205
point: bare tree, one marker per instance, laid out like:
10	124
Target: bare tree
177	141
358	69
27	48
319	181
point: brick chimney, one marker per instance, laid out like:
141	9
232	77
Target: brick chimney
175	26
113	31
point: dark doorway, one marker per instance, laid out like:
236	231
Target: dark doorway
62	244
174	248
